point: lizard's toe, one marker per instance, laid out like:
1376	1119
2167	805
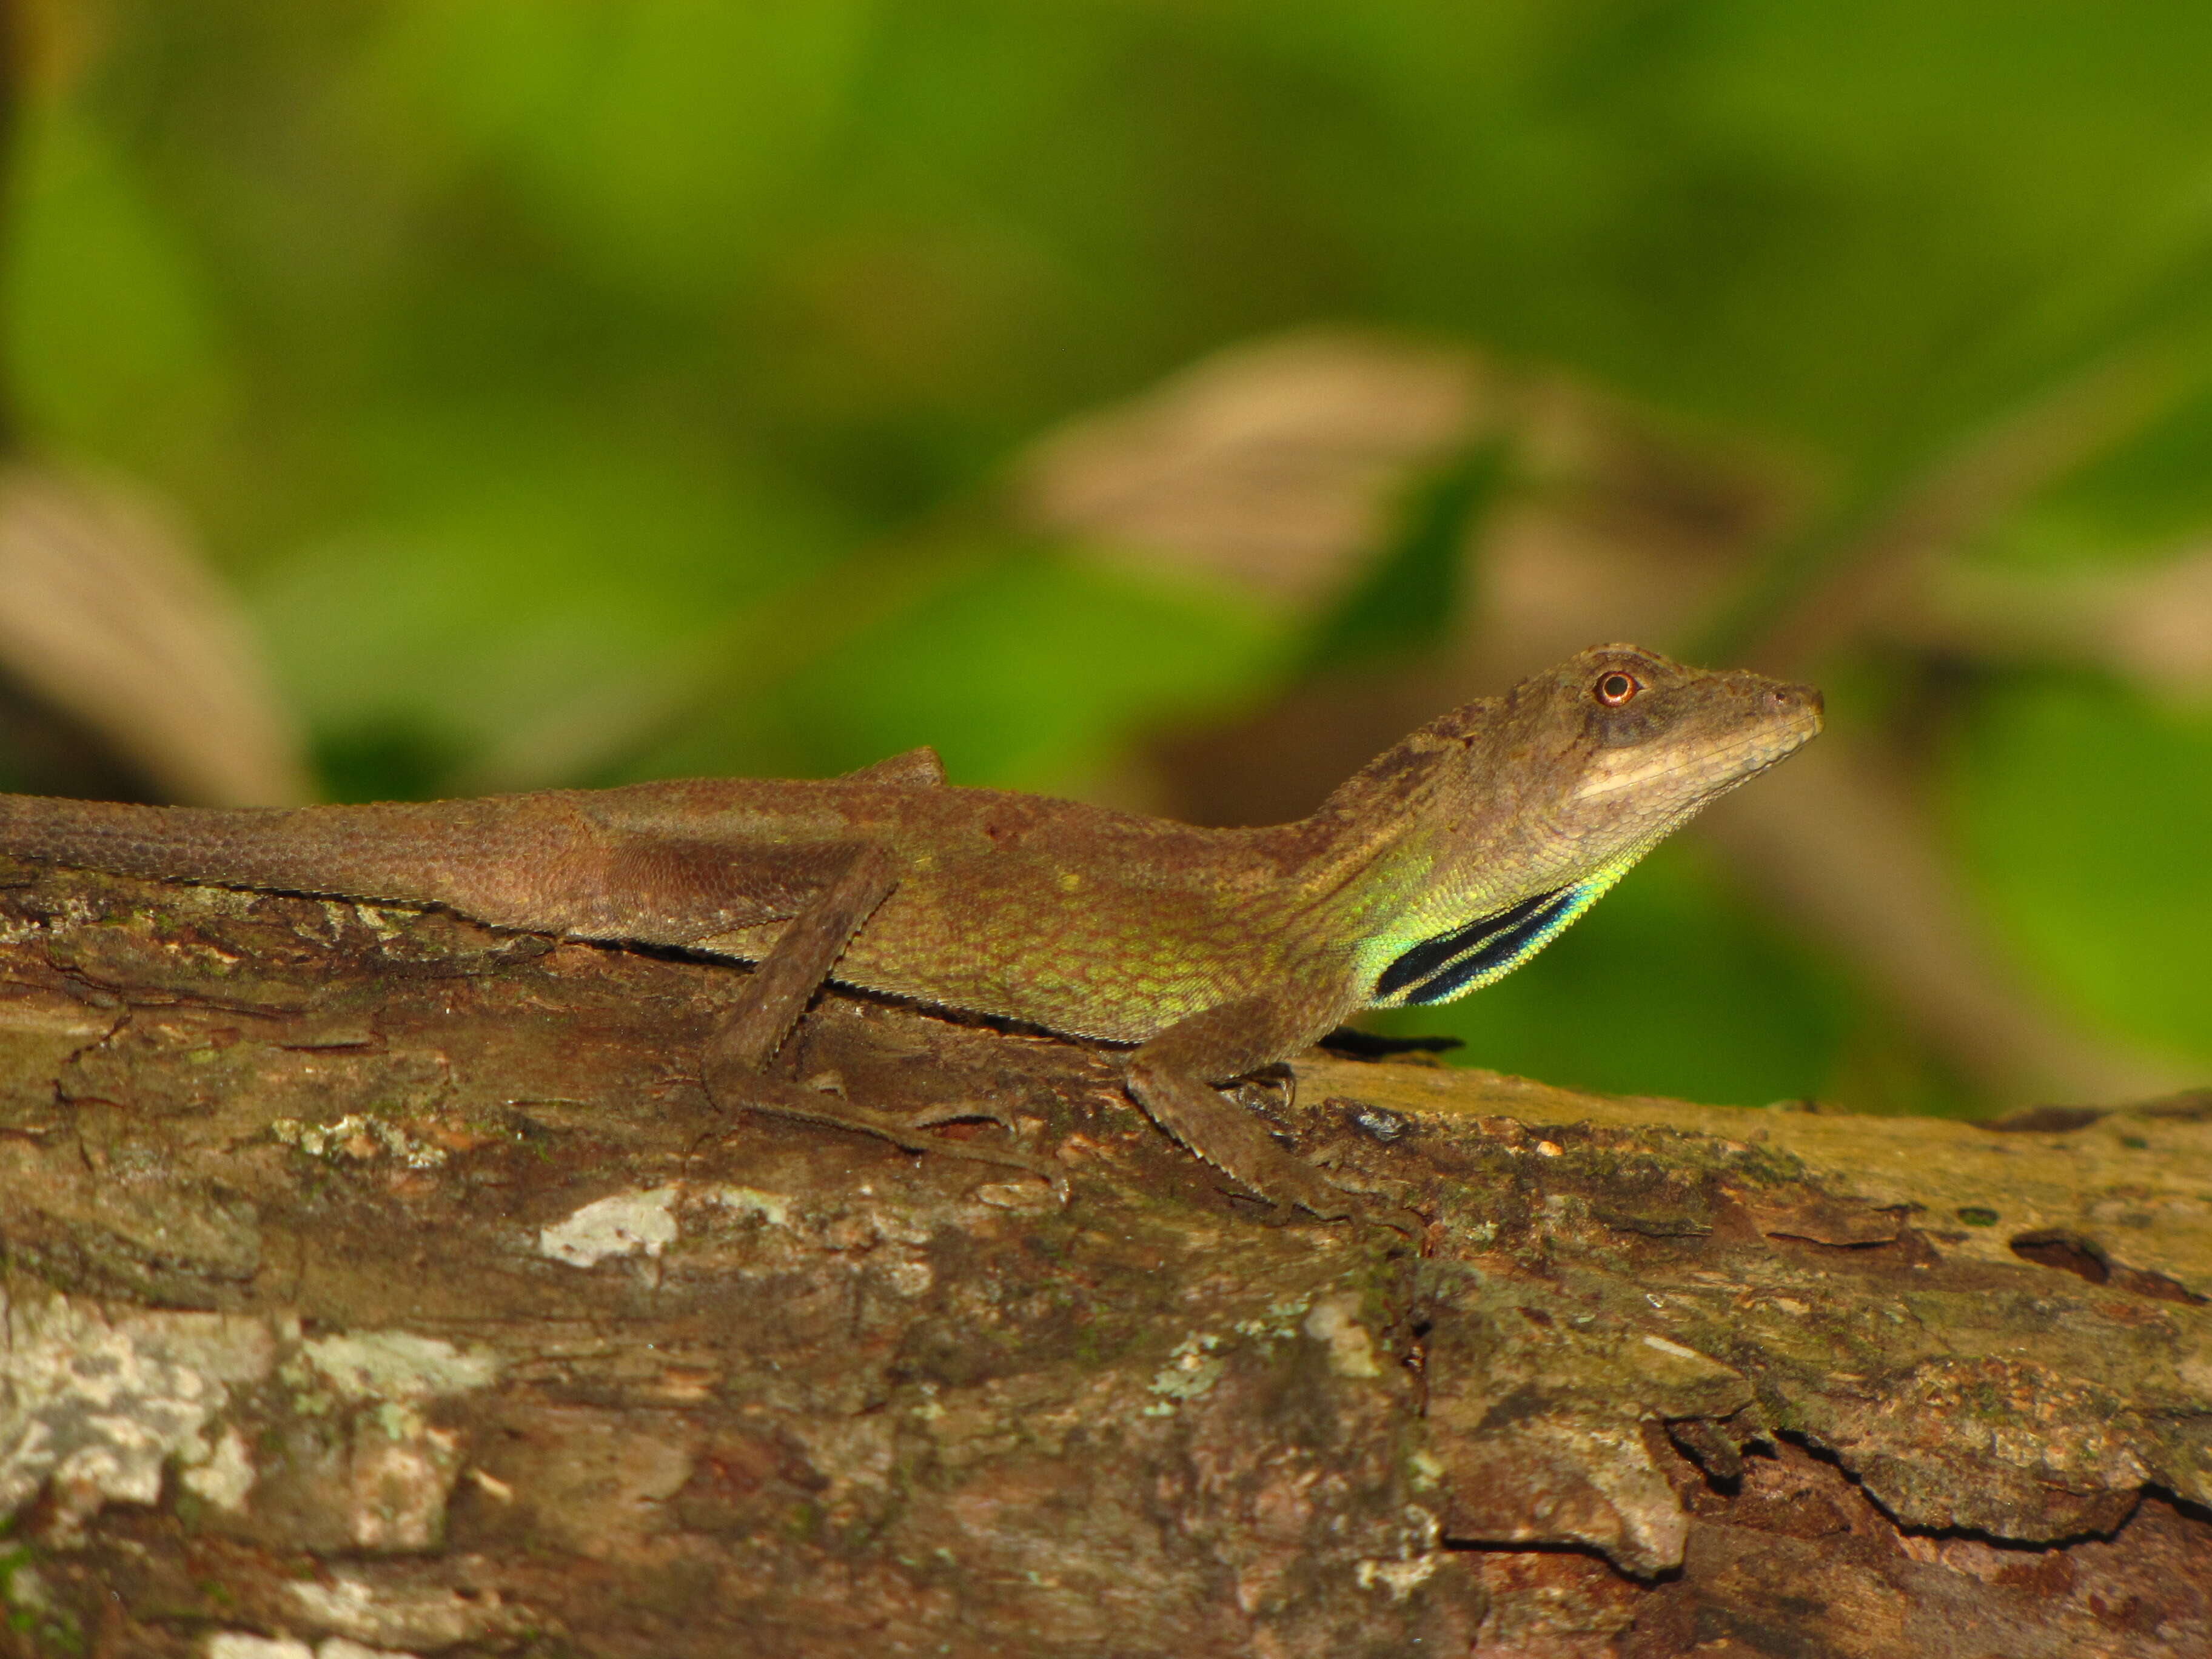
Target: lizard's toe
958	1111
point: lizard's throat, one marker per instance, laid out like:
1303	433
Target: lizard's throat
1471	956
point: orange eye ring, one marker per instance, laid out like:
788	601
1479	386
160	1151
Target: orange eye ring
1615	689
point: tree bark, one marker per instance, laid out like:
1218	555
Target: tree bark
377	1280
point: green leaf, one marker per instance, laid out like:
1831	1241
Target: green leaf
660	137
1032	673
2085	813
108	331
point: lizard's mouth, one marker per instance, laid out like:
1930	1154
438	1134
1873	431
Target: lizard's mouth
1699	769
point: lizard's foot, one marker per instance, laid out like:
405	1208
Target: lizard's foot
1411	1224
921	1117
1231	1139
779	1099
932	1117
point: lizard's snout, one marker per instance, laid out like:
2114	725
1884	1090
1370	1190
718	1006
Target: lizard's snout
1803	701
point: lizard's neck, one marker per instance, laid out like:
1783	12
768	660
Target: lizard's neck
1369	855
1428	869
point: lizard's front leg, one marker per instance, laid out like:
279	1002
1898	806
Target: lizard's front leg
1171	1075
745	1039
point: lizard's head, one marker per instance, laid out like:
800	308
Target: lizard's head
1518	811
1617	746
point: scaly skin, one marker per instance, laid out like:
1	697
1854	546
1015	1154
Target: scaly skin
1219	951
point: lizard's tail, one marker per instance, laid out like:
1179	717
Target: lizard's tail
468	855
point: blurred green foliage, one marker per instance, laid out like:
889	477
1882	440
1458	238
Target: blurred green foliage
2083	811
588	389
1405	604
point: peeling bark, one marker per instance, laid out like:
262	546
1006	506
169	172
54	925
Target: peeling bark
374	1281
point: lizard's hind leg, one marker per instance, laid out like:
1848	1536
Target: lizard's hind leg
746	1038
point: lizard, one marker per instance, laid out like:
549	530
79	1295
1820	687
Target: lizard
1207	954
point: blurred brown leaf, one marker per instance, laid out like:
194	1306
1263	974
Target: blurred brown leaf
1270	463
108	617
2151	624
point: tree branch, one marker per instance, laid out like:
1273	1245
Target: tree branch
374	1276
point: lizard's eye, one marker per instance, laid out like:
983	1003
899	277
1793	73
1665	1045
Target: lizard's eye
1616	688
